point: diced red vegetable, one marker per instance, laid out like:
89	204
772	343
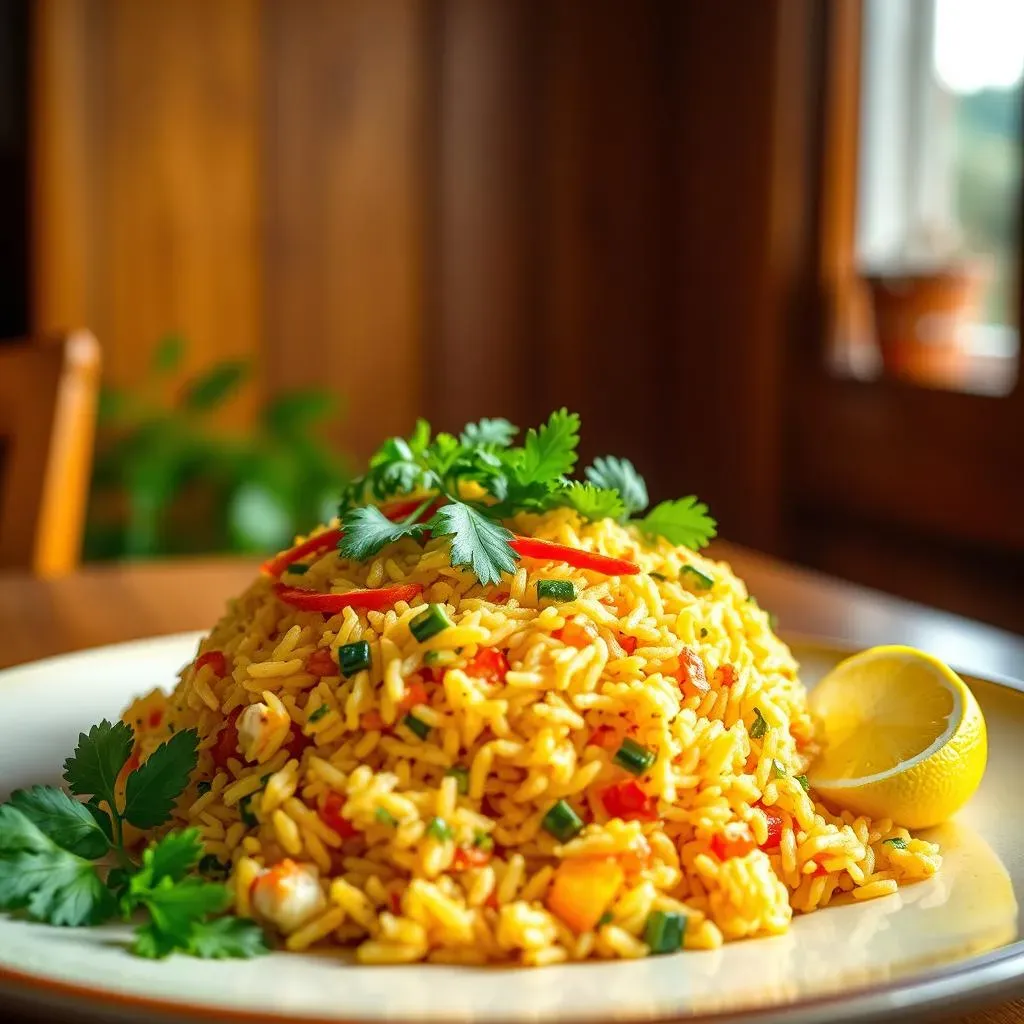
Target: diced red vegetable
226	745
318	542
576	635
627	643
691	675
395	902
331	604
155	718
415	693
372	721
727	847
216	661
470	857
626	800
330	814
775	823
725	675
488	664
320	663
296	743
605	737
548	551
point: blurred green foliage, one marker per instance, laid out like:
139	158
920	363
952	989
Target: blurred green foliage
166	481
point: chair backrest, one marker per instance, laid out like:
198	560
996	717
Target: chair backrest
48	394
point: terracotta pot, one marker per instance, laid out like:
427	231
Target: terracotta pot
923	322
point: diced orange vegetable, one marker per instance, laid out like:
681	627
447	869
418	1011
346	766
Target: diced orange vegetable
583	889
605	737
725	675
372	722
737	844
575	635
637	858
692	678
320	663
470	857
415	693
627	643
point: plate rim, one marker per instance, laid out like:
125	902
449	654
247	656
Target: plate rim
976	981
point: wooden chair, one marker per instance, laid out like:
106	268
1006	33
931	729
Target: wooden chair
48	394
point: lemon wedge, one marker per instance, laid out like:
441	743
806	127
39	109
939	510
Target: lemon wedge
904	737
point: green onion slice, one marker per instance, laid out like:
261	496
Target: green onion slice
634	757
562	822
353	658
699	578
385	817
317	713
439	829
804	783
461	777
431	621
245	811
483	841
298	568
896	843
556	590
416	725
664	931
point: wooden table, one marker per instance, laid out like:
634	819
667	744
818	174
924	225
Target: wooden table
109	604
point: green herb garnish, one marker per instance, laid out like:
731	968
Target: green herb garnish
483	841
203	786
701	579
417	726
664	931
54	849
804	783
896	843
759	726
556	590
531	478
429	622
385	817
317	713
298	568
439	829
461	777
606	918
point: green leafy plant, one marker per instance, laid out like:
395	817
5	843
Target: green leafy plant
167	480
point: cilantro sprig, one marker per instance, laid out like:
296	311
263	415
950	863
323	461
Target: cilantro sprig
56	851
473	482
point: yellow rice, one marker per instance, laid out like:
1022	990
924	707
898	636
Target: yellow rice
392	890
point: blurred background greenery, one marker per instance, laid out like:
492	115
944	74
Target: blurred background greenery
168	481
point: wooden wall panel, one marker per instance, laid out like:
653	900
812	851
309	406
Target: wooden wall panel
343	149
147	130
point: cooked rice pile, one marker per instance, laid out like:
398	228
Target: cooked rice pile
582	675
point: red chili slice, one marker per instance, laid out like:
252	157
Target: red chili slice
548	551
216	661
318	542
626	800
330	604
227	741
331	816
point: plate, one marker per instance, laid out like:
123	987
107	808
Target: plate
954	939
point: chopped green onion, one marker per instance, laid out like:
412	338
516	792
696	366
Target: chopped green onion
461	777
556	590
317	713
353	658
440	658
759	726
385	817
483	841
804	784
211	867
203	787
896	843
701	579
778	770
562	822
431	621
264	779
664	931
245	811
299	568
439	829
606	918
419	727
659	576
634	757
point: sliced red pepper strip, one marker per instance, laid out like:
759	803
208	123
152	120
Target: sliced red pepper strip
319	542
548	551
330	604
216	661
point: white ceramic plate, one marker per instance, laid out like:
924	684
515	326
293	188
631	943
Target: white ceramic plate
954	939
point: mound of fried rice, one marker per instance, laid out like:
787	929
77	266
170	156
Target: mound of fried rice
619	661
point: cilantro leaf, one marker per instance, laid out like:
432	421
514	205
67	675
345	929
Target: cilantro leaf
98	759
498	432
684	521
478	542
591	502
152	789
51	884
620	475
227	937
154	944
367	530
550	452
175	906
172	857
64	820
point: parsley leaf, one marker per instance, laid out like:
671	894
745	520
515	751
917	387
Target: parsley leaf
591	502
477	541
172	857
152	789
367	530
550	452
51	884
174	906
498	432
684	521
153	944
64	820
620	475
98	759
227	937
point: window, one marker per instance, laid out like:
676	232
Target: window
939	186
